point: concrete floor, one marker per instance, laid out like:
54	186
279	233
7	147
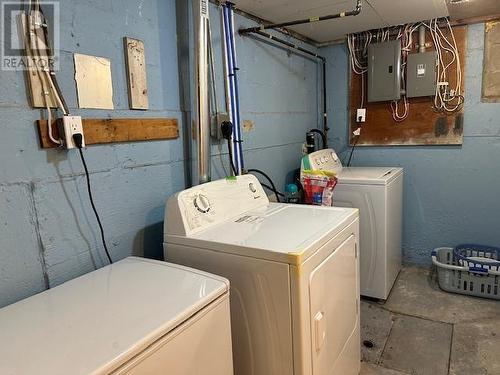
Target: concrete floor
422	330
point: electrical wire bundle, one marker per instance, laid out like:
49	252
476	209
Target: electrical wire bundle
35	20
446	99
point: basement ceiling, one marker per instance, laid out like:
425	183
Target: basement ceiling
462	9
375	14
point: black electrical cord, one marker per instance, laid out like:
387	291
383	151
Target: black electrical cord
352	150
273	187
227	130
230	149
78	141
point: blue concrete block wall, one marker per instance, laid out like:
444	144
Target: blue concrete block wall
48	233
451	193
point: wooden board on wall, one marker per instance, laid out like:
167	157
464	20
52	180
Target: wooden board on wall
424	125
99	131
136	71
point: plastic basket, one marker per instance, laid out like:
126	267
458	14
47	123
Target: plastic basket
455	276
478	257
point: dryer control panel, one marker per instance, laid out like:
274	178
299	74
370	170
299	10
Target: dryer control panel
208	204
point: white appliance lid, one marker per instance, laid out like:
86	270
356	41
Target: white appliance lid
98	321
281	232
368	175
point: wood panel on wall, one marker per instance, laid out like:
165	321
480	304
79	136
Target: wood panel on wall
114	130
424	124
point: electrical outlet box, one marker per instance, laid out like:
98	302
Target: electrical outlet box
361	115
217	120
69	126
384	71
421	74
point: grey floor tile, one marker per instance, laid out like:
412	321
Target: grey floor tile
376	324
370	369
476	348
418	346
416	293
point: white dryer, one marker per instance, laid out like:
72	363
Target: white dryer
378	193
136	316
293	271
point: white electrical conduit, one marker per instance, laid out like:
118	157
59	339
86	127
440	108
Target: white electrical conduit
43	73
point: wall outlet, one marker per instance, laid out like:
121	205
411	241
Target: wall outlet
217	120
69	126
361	115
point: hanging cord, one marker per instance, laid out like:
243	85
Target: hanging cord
273	187
233	168
226	129
78	142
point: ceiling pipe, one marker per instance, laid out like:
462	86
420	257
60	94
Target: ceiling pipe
353	12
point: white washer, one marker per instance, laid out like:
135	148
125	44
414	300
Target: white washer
293	271
378	193
136	316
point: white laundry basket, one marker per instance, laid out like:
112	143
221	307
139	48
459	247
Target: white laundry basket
456	276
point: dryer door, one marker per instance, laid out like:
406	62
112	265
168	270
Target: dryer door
334	307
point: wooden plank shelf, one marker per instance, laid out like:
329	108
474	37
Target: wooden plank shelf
114	130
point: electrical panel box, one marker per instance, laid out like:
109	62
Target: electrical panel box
384	71
421	74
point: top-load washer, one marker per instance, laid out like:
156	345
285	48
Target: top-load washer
293	271
378	193
133	317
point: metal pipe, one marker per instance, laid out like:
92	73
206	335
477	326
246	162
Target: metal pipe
353	12
288	44
201	21
421	39
325	114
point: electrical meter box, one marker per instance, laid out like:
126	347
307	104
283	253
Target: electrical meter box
384	71
421	74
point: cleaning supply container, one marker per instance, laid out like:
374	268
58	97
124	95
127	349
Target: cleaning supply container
469	269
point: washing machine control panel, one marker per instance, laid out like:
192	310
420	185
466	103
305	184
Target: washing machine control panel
214	202
323	160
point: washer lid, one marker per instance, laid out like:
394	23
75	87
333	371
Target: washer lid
93	324
280	232
369	175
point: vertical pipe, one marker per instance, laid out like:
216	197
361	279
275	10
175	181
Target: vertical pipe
201	25
234	78
421	39
325	114
185	66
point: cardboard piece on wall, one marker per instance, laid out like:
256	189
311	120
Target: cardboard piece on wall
491	68
93	81
136	73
